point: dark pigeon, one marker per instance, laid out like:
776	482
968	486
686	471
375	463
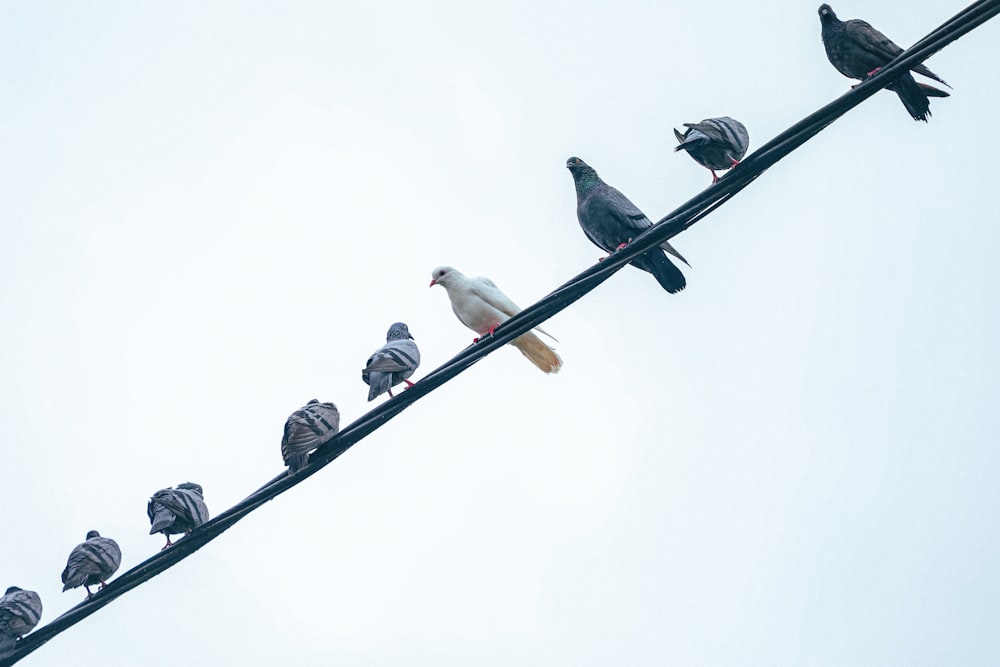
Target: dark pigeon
306	429
610	221
176	511
91	563
392	363
714	143
858	50
19	614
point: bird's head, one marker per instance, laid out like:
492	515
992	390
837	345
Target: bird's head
92	534
12	589
191	486
583	174
398	331
442	275
826	14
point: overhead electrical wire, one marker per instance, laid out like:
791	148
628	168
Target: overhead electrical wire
563	296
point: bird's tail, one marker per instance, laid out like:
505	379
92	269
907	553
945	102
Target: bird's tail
162	519
693	138
931	91
7	645
538	352
296	462
668	275
673	251
913	96
378	384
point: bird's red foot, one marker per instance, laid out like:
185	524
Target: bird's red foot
715	179
489	332
735	162
874	72
408	383
390	388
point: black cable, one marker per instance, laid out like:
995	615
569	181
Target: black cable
674	223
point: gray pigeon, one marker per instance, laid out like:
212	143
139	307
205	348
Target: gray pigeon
392	363
610	221
305	430
19	614
714	143
91	563
858	50
177	510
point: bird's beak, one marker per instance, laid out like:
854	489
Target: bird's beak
433	283
410	336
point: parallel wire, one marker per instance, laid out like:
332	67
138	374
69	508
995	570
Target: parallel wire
674	223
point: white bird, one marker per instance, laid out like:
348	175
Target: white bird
480	305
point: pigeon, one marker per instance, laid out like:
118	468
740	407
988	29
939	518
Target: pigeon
611	221
858	50
714	143
91	563
177	510
305	430
392	363
19	614
481	306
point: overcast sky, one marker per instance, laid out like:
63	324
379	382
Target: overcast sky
213	211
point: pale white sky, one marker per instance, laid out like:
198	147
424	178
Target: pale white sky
213	211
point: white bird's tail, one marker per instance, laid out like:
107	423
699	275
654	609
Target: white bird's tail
538	352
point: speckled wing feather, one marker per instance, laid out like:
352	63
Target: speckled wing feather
392	363
178	510
20	611
91	562
306	429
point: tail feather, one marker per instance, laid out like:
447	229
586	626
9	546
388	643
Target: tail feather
538	353
931	91
378	384
668	275
912	96
162	518
296	462
7	645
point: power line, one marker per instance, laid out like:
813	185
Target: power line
562	297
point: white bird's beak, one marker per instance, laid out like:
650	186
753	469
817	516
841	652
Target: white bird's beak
433	283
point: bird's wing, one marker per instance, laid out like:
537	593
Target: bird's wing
862	34
394	357
485	289
627	213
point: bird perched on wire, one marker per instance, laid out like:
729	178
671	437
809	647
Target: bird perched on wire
306	429
177	510
611	221
714	143
91	563
858	51
480	305
19	614
392	363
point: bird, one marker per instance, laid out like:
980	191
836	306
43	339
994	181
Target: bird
306	429
714	143
858	51
392	363
19	614
480	305
611	221
177	510
91	563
